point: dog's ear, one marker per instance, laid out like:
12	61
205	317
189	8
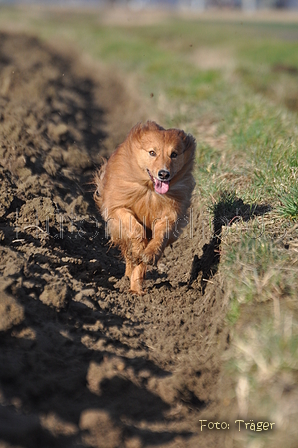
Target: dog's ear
140	129
135	132
188	140
152	126
135	135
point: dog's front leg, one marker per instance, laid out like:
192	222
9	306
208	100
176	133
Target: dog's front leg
161	232
123	225
130	235
137	278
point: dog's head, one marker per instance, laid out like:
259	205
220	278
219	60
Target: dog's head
161	153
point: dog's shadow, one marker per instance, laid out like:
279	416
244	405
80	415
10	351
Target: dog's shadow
228	210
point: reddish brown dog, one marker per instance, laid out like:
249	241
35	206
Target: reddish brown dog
144	192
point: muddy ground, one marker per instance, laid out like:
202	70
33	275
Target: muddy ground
82	362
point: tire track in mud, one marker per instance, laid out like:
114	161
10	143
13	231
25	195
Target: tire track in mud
84	363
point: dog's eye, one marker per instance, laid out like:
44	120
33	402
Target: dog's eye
152	153
174	155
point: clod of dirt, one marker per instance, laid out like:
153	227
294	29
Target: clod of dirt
165	387
38	210
102	431
57	132
55	295
57	426
134	442
11	312
77	159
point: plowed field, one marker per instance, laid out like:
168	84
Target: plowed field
82	361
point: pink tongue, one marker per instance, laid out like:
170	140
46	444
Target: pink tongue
161	187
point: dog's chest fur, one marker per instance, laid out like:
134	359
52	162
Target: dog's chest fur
151	207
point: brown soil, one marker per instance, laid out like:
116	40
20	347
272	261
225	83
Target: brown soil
83	362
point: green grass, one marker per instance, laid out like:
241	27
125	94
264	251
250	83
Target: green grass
243	112
289	203
258	270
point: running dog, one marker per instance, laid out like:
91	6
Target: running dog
144	193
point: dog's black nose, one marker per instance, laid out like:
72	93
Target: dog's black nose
163	174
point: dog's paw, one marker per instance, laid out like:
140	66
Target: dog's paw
138	292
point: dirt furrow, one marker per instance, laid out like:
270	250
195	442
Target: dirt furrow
83	362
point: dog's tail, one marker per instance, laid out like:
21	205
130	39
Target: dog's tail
98	182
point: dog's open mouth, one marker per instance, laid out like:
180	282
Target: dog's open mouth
160	186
